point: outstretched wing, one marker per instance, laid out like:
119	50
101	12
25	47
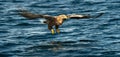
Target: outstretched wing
78	16
30	15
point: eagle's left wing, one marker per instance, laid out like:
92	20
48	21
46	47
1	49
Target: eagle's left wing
82	16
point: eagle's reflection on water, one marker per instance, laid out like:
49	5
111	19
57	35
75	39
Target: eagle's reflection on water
63	45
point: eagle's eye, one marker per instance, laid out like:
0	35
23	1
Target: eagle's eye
64	19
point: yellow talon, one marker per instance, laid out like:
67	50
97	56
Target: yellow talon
52	31
57	30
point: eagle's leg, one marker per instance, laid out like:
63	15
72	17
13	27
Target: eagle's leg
57	30
51	29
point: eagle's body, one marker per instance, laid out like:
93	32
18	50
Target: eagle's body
53	20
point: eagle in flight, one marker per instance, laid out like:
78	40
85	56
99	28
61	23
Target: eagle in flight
54	20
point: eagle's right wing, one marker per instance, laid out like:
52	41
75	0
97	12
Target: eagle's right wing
30	15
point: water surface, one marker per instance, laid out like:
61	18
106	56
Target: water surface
20	37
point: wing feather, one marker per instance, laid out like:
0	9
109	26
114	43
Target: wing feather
80	16
30	15
77	16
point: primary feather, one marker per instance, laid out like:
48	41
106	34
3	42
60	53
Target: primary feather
78	16
30	15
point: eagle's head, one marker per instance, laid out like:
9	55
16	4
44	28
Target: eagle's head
63	16
60	19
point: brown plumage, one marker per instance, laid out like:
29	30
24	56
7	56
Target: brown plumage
52	20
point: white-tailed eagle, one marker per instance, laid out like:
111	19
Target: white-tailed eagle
54	20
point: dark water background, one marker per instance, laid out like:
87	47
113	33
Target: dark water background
20	37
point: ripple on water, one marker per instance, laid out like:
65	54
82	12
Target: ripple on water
114	20
4	31
4	55
113	53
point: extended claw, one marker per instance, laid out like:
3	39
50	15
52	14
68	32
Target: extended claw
52	31
57	30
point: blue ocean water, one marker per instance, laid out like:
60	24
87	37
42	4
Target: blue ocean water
99	37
